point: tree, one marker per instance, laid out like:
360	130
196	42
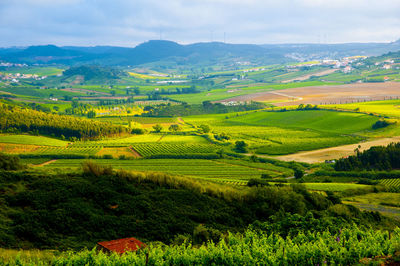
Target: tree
174	128
298	173
205	128
91	114
240	146
157	128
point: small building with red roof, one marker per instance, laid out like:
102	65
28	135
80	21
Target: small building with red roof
120	246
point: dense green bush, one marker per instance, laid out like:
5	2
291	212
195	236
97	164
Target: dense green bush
9	162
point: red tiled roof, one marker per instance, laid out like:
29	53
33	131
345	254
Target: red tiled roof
122	245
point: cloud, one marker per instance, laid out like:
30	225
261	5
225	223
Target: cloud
127	23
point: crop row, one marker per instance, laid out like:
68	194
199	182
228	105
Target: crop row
161	148
395	182
68	150
189	167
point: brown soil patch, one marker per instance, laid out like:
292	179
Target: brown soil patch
118	151
317	74
319	156
334	94
17	148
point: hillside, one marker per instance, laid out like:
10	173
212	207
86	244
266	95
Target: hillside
76	210
209	53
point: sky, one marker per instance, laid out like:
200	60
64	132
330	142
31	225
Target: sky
131	22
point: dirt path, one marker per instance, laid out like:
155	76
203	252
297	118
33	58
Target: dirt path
45	163
319	156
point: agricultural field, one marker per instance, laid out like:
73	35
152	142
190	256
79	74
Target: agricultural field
211	170
325	94
278	133
41	71
389	107
148	149
240	92
334	187
32	140
385	203
393	182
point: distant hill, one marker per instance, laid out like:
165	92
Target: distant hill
192	54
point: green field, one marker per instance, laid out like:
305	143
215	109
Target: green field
41	71
148	149
288	132
212	170
388	108
393	182
336	187
33	140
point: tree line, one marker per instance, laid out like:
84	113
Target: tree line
375	158
15	119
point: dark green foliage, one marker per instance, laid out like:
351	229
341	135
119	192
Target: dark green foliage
380	124
298	173
240	146
257	183
91	114
10	162
205	128
184	109
93	72
138	131
174	128
74	211
26	120
375	158
157	128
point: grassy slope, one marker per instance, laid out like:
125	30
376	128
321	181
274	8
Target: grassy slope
289	132
33	140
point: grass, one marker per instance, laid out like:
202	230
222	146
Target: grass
32	140
384	202
221	94
41	71
288	132
390	108
212	170
336	187
148	149
316	120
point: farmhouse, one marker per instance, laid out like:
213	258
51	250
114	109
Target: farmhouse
120	246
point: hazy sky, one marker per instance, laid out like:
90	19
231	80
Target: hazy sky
130	22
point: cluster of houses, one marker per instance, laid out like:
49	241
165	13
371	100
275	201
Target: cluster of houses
15	77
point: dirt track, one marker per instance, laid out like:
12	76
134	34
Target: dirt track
319	156
319	95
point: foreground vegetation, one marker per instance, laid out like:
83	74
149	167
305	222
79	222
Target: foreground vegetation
345	247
